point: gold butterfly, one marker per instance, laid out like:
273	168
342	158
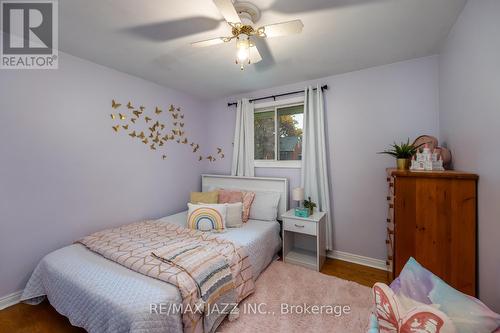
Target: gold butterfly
156	140
147	119
171	109
165	138
175	115
221	155
211	158
122	117
151	136
161	143
145	141
181	124
162	126
174	131
141	135
178	141
133	134
137	113
181	133
178	109
171	137
182	116
219	150
142	108
133	120
113	116
129	105
200	158
195	149
116	128
152	147
151	129
125	127
115	105
158	110
175	123
164	156
185	141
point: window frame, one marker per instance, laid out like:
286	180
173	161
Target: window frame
274	106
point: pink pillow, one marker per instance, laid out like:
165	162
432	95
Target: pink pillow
232	196
228	196
247	203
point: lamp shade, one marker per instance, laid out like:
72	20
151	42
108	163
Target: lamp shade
298	194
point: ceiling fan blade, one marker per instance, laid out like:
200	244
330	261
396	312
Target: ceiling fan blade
227	10
208	42
255	56
283	28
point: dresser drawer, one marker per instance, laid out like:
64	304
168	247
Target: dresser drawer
303	227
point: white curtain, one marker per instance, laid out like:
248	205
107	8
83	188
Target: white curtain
314	173
243	150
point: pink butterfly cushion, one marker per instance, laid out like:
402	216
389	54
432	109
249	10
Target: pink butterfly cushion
468	314
396	315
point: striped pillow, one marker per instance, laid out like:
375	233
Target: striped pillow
206	217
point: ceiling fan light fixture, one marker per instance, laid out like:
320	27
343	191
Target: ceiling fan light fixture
242	51
241	16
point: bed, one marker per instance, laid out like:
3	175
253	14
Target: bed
103	296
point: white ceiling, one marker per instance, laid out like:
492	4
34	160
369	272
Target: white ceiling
151	38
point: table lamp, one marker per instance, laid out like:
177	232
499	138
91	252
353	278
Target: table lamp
298	195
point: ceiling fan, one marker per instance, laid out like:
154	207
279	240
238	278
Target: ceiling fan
241	16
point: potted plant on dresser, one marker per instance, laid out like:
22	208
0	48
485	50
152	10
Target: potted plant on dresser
402	152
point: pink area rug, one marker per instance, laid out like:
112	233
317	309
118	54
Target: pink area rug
283	285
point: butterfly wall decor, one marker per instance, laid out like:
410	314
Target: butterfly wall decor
127	118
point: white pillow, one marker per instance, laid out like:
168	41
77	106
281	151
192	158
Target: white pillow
207	217
234	215
265	206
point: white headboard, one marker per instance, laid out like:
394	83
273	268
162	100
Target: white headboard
250	183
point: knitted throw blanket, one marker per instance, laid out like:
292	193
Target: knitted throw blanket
212	274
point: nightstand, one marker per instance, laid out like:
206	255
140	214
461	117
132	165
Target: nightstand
304	240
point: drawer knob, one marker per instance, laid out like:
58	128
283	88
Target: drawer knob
387	241
299	226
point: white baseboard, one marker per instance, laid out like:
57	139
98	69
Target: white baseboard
10	299
357	259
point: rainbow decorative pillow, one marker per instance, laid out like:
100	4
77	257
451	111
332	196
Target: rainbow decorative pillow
206	217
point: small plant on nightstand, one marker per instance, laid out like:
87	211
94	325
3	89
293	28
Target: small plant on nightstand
309	205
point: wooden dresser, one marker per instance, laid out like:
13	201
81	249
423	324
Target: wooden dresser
433	217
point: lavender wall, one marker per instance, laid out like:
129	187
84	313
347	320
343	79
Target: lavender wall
366	111
470	123
65	173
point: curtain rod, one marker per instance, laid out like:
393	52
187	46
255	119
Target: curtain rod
324	87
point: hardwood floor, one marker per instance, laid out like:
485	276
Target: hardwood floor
23	318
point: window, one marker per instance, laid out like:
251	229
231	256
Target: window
278	135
